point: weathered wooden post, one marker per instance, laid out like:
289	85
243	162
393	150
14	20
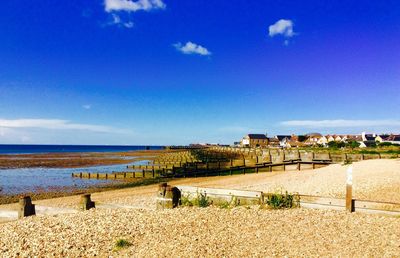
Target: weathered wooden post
349	190
97	176
168	197
161	195
153	172
143	173
86	202
26	208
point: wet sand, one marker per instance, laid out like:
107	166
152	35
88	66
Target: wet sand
74	160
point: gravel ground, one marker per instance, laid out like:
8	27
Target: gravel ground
203	232
210	232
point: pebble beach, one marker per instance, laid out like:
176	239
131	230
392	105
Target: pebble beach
130	214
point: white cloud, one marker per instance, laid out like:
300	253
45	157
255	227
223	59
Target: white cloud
87	106
340	123
192	48
57	124
133	6
282	27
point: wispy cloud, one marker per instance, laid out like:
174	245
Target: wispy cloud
192	48
87	106
340	123
116	20
133	6
58	124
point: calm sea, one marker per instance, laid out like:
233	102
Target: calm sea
27	149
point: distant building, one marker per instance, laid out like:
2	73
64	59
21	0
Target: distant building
284	140
255	140
394	139
312	138
273	142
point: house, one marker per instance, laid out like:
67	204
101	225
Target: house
393	138
273	142
255	140
368	137
330	138
284	140
338	138
312	138
324	140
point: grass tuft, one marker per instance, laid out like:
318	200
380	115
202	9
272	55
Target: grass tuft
121	243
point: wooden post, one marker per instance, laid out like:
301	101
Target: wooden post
124	174
153	172
299	165
115	176
143	173
26	208
97	176
86	202
80	174
349	190
106	176
89	175
161	195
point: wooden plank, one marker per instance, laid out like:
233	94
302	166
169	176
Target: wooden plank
220	192
371	205
322	200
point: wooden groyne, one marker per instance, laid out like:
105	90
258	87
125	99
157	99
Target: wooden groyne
214	161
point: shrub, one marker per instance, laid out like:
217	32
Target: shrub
185	200
229	204
353	144
282	201
201	200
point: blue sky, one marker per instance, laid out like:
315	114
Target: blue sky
177	72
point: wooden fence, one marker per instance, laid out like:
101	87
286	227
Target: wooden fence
244	197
